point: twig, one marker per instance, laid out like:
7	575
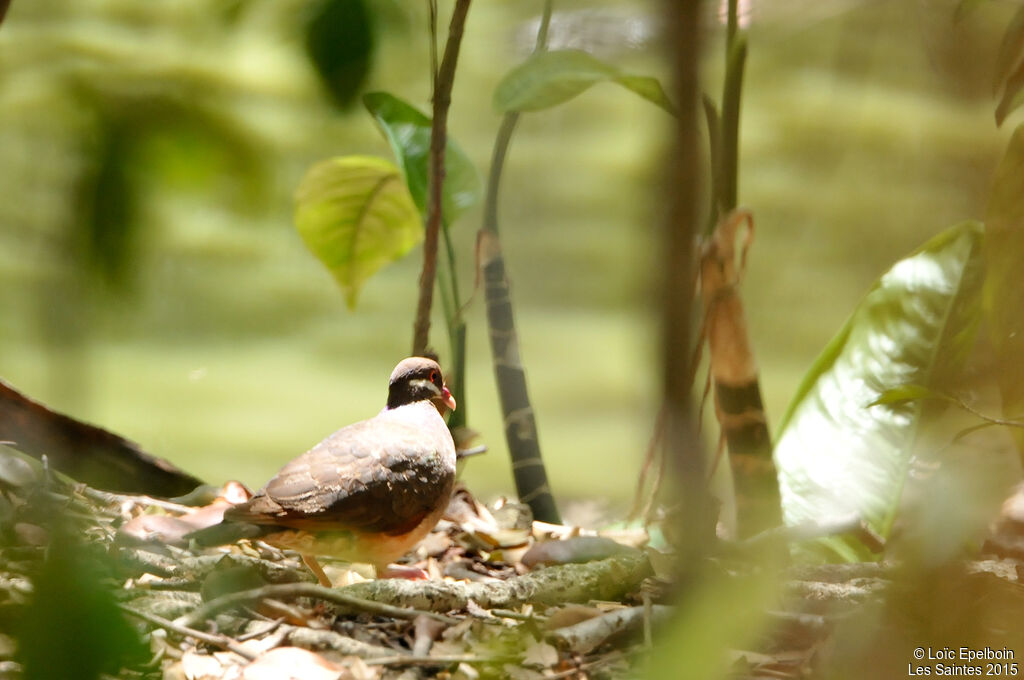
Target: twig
519	616
652	451
271	627
286	590
648	621
442	100
110	497
587	635
474	451
412	660
585	666
215	639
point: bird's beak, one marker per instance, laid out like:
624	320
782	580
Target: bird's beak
447	399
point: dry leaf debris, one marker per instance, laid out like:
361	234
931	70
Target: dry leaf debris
252	611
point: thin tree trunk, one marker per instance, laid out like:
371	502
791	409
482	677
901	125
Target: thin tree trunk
695	526
520	425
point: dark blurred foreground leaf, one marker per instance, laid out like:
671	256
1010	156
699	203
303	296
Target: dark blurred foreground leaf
1009	74
339	41
408	132
73	628
108	199
89	454
356	215
721	615
142	141
547	79
838	454
1004	289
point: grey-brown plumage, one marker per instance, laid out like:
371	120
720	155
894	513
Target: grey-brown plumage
368	492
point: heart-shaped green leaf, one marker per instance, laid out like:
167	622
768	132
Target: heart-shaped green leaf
547	79
356	215
408	132
844	448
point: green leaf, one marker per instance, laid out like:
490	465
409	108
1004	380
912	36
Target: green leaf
108	198
903	394
649	88
408	132
547	79
1004	289
836	455
340	45
356	215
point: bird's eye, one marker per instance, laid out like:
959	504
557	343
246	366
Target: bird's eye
435	377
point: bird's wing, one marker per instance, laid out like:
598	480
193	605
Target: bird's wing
371	476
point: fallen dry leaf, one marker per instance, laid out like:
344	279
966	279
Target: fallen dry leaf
573	550
196	666
570	614
291	663
519	673
540	654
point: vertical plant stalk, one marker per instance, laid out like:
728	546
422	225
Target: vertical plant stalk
443	82
449	285
738	404
520	424
736	59
695	525
456	326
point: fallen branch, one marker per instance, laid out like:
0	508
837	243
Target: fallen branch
609	579
404	660
587	635
215	639
287	590
319	640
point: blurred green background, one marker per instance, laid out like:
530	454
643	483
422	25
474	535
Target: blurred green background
206	332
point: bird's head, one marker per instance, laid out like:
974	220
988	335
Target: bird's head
418	379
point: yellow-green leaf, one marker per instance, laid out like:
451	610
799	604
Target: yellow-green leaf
356	215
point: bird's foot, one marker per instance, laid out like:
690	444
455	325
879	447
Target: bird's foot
318	571
403	571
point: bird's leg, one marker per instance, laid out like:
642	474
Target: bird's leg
401	571
318	571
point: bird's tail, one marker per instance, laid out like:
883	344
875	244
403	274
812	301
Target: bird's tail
227	532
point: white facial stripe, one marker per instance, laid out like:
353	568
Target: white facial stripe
423	382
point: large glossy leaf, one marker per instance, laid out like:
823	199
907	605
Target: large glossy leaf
1004	290
841	450
547	79
356	215
408	132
